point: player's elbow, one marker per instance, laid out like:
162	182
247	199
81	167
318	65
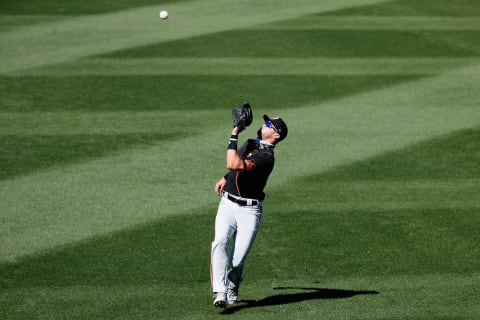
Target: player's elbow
235	165
234	162
231	167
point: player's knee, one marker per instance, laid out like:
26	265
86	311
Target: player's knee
219	244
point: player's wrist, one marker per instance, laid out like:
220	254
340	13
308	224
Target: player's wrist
233	141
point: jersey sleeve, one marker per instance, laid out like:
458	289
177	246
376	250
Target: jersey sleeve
258	160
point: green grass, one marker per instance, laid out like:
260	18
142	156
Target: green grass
315	43
23	155
424	8
57	7
112	136
168	93
436	159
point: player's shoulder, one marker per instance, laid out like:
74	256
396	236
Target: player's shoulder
262	152
261	157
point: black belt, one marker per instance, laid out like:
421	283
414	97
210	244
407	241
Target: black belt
240	201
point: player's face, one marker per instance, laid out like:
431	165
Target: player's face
268	131
270	125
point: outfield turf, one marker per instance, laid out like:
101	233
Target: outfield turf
113	128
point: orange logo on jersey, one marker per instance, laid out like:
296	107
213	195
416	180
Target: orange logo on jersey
249	165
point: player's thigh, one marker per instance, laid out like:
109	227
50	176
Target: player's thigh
249	220
225	221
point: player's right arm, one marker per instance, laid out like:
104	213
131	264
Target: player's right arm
234	161
219	186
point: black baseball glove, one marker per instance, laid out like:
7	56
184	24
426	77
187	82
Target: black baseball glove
242	116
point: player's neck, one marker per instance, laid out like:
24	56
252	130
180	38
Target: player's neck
263	144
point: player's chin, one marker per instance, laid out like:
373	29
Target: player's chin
259	133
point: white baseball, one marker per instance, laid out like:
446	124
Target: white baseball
163	14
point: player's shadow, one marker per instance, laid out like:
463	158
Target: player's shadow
306	295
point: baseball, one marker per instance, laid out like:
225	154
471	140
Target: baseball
163	14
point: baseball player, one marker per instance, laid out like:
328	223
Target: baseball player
239	213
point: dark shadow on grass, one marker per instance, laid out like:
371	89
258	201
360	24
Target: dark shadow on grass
307	295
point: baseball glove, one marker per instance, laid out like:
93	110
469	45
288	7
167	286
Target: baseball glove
242	116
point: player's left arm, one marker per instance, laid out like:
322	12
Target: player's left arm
220	185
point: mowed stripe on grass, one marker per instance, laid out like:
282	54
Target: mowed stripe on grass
371	212
368	124
67	204
416	296
238	66
77	37
404	23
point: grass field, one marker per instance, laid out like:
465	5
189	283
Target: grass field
113	130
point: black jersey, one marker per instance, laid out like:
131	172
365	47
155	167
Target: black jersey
259	161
